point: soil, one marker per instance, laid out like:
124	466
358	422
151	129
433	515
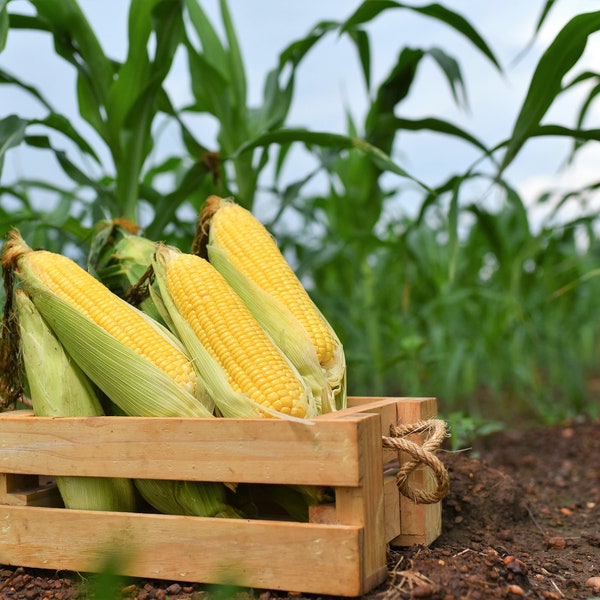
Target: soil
521	520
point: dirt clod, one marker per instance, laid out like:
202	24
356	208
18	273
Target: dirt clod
594	583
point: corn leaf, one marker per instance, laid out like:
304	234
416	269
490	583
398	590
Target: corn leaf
546	83
4	23
12	133
328	140
370	9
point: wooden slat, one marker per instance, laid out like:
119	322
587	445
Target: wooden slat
302	557
241	450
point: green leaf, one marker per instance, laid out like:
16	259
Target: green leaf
4	23
164	105
440	126
451	70
210	87
12	133
328	140
169	165
276	103
133	75
559	58
61	124
370	9
132	102
76	42
297	50
453	239
211	44
90	109
562	131
361	41
544	14
165	207
8	78
394	89
235	61
72	170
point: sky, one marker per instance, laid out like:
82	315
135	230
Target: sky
329	81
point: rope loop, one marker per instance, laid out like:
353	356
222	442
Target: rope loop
434	430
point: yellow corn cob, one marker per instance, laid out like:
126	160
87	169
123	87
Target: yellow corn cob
76	286
254	252
245	253
68	299
226	328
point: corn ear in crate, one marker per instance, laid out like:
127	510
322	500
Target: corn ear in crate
137	363
58	388
245	253
190	498
245	372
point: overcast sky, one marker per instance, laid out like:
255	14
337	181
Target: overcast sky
328	81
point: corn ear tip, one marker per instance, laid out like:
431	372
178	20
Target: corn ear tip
211	206
13	249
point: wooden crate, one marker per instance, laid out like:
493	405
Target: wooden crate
340	551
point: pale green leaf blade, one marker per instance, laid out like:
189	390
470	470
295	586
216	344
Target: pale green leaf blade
546	83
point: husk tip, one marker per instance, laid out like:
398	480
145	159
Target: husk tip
211	205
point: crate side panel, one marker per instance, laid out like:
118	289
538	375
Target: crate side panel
301	557
365	505
28	490
419	523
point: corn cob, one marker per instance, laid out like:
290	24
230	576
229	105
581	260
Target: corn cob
246	254
246	372
62	291
58	388
141	367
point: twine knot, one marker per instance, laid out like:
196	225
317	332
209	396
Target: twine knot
434	430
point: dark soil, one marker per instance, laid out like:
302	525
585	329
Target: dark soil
522	520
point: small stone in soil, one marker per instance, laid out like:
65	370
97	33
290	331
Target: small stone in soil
594	583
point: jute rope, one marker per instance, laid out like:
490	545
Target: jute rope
434	430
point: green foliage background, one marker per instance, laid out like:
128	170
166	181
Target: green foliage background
463	301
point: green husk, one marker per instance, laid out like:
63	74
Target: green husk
58	388
121	259
228	402
192	498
